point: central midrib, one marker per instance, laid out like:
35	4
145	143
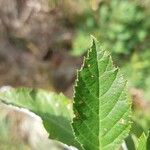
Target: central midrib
99	138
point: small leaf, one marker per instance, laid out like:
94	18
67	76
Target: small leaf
55	110
148	141
130	144
142	142
101	105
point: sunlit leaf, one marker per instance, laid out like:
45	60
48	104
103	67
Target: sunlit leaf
101	106
55	110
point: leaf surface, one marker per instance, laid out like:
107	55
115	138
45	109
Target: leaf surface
148	141
55	110
101	105
142	142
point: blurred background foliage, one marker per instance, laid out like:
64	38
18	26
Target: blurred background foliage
42	44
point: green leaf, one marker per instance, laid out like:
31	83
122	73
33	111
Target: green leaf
135	143
142	142
55	110
148	141
130	144
101	105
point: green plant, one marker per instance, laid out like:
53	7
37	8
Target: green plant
121	25
101	106
138	70
101	122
